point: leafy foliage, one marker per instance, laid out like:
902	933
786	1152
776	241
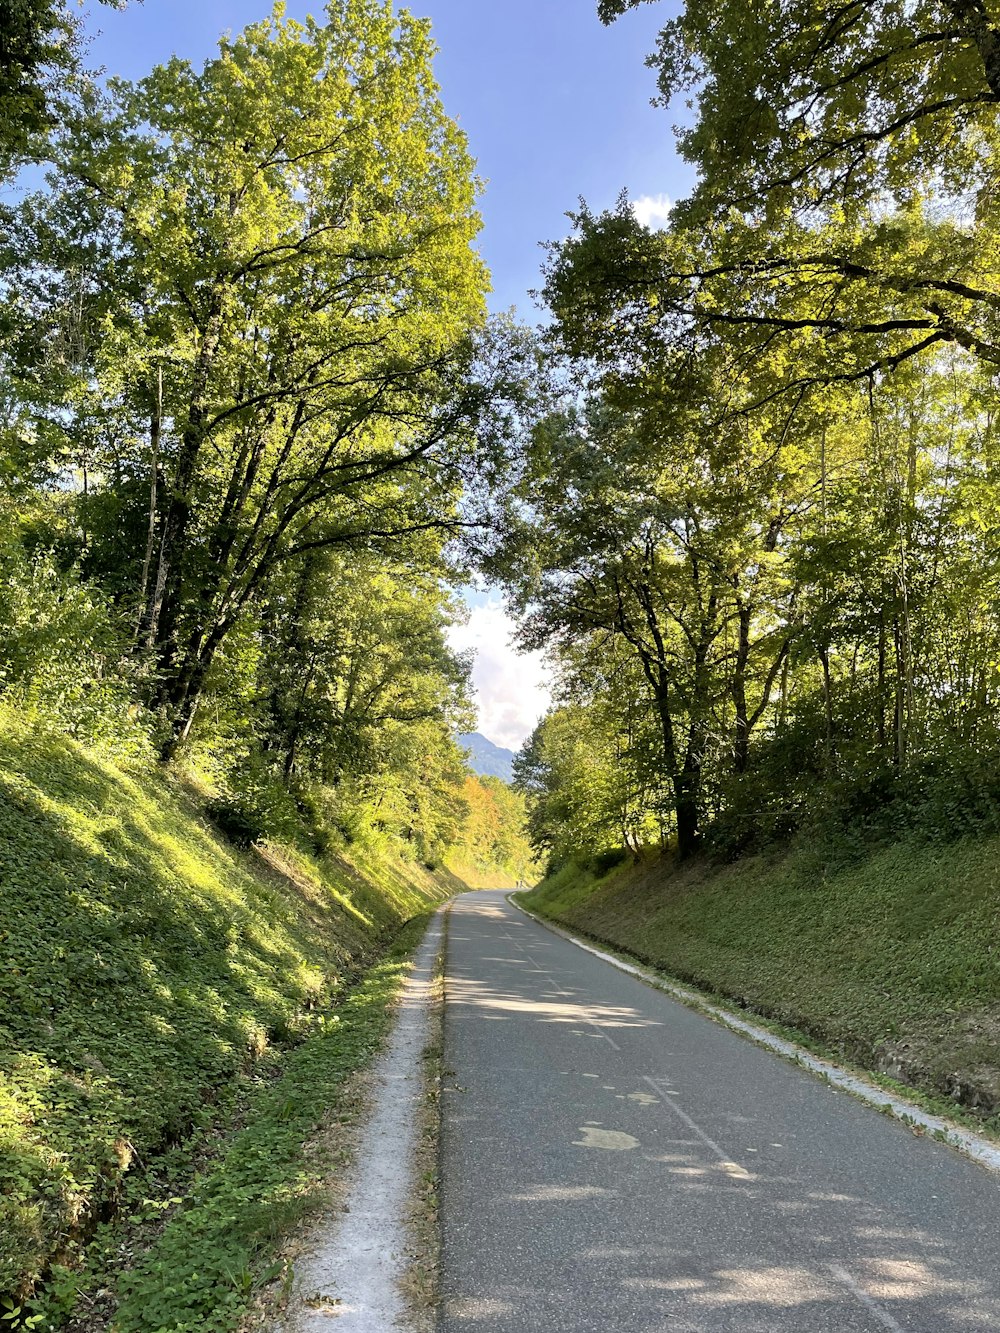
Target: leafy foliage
769	490
39	47
149	971
492	836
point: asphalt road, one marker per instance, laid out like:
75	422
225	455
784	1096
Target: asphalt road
614	1161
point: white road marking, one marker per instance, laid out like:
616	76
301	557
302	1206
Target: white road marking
566	994
732	1167
872	1306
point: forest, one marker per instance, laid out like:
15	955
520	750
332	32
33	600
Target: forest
740	483
250	398
258	430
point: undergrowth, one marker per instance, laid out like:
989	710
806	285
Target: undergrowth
213	1255
153	981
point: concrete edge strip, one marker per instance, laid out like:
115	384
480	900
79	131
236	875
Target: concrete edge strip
981	1150
356	1259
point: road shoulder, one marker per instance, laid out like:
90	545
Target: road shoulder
371	1264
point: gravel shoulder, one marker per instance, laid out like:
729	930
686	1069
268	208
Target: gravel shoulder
359	1263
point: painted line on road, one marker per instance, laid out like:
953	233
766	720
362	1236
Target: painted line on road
859	1293
980	1150
560	991
732	1168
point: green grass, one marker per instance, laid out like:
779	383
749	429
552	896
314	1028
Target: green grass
154	982
893	961
205	1270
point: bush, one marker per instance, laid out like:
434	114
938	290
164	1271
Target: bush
852	799
65	653
603	862
254	804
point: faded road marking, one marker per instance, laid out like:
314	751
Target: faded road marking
972	1145
612	1140
872	1306
643	1098
733	1168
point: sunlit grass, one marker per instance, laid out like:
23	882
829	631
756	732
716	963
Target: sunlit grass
891	960
150	976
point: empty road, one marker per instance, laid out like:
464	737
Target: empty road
613	1161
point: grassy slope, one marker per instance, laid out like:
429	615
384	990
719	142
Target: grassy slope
894	961
474	877
150	976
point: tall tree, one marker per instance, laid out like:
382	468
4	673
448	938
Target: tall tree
846	157
278	275
801	102
656	528
37	47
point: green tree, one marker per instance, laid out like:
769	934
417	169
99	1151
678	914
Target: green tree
349	648
846	157
659	528
567	772
39	48
277	278
804	101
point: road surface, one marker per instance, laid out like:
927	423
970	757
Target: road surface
614	1161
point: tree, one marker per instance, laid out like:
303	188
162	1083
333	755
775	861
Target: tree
566	770
278	277
349	649
39	48
805	102
658	530
846	156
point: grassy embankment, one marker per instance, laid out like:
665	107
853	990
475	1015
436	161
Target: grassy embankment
476	877
892	962
176	1019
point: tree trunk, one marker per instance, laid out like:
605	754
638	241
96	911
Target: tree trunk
148	606
880	710
686	780
824	657
741	733
163	610
687	791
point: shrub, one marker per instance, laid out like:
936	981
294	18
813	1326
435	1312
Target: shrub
64	651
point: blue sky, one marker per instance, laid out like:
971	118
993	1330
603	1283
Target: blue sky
556	106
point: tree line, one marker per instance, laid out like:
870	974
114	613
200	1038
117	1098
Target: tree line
256	428
249	394
758	528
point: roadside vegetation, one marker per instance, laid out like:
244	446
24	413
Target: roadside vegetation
248	390
493	850
759	537
256	432
890	961
759	532
158	986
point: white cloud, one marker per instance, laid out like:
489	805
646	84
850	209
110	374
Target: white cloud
653	210
511	688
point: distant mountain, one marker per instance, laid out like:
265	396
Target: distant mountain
487	759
